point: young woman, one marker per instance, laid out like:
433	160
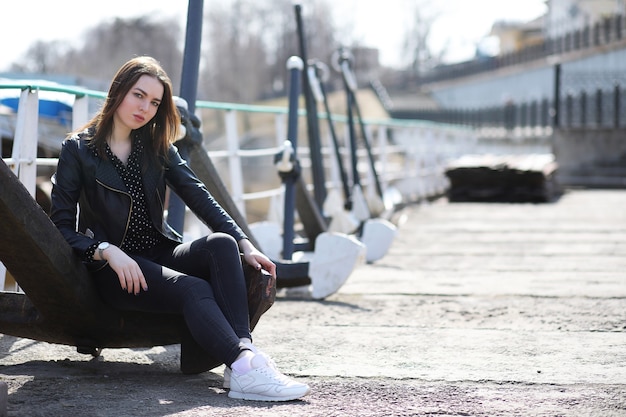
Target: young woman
116	169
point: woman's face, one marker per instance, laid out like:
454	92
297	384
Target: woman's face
140	104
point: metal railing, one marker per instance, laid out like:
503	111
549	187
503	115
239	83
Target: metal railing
410	156
594	109
603	33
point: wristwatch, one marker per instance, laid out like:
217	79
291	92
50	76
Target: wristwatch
101	248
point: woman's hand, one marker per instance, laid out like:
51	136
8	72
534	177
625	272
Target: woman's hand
258	260
127	270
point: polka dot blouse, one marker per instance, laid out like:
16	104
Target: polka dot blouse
141	233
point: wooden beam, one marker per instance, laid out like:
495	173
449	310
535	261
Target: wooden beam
38	256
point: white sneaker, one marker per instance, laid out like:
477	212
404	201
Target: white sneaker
265	383
255	350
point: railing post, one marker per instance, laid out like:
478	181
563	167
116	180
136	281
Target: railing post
280	122
382	156
616	106
569	110
598	107
545	113
25	142
24	154
80	111
583	109
372	171
557	96
234	161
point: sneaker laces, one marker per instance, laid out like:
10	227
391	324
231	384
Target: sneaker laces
260	363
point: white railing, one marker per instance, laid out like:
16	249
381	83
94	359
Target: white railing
242	141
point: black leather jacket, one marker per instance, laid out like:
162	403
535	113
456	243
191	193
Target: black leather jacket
105	204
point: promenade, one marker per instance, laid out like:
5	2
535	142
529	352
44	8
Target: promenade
477	310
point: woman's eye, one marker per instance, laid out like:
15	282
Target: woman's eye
155	103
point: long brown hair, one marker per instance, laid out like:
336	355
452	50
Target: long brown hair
159	132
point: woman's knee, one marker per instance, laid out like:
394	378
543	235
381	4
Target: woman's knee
221	240
221	246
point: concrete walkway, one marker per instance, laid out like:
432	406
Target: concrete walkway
477	310
504	298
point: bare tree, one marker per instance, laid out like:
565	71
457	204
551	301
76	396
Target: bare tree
42	58
419	56
319	33
281	40
112	43
247	44
235	67
107	46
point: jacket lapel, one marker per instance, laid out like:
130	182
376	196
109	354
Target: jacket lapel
151	181
106	173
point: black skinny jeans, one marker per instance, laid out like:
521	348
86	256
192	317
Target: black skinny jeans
202	280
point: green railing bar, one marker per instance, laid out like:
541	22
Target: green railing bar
214	105
253	108
76	91
249	108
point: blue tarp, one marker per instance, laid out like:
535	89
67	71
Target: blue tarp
62	112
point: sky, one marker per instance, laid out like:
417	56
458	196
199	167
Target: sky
460	24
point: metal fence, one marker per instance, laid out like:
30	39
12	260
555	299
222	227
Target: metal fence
243	140
594	109
588	109
605	32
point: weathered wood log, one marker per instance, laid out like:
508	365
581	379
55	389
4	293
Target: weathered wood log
38	257
503	178
60	304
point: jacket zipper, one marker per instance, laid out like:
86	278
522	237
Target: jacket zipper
160	201
129	211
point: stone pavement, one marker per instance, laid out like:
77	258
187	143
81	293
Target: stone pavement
477	310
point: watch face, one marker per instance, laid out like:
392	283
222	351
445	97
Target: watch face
103	245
